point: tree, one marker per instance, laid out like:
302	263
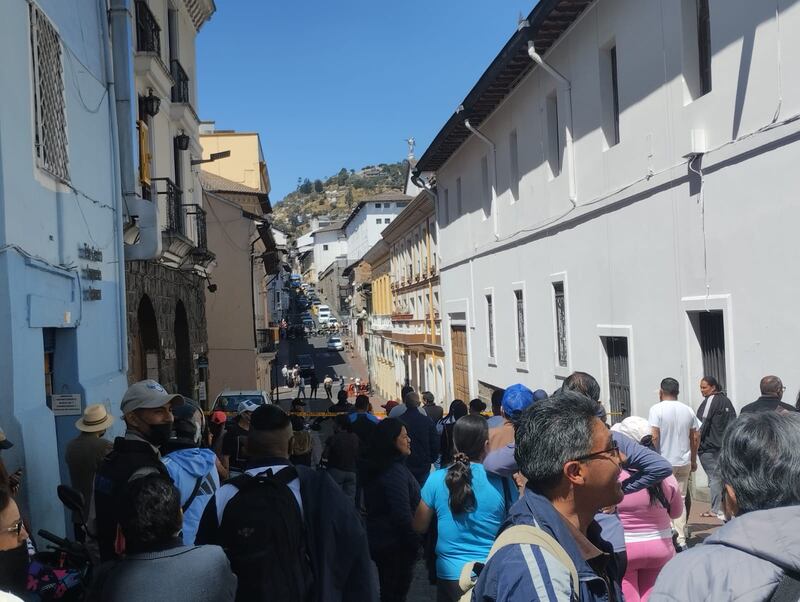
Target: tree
349	198
306	187
342	176
318	186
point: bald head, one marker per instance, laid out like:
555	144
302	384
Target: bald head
771	386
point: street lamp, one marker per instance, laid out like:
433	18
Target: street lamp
151	103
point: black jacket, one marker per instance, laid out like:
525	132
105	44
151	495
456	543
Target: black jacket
391	498
715	420
424	443
129	457
767	404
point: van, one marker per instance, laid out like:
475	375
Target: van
323	313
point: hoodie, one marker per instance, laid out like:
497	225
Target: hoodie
186	466
744	560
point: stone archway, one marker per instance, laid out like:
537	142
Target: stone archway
145	344
183	352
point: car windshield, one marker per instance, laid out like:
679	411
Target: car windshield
230	403
334	340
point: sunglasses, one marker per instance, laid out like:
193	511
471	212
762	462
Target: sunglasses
16	528
613	451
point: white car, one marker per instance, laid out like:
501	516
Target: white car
335	344
228	401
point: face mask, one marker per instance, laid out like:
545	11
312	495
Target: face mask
14	569
158	434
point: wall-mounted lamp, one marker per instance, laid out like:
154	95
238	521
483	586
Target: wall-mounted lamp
182	141
151	103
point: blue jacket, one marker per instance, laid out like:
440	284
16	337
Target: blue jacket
185	466
507	577
424	444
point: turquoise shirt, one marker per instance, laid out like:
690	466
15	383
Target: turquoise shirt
465	537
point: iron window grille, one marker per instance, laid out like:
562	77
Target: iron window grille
180	91
175	211
148	32
522	352
561	322
490	322
50	131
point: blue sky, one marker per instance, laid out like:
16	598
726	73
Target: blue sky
342	83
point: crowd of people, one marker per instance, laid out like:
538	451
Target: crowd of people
544	500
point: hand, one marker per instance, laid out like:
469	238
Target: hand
694	465
609	509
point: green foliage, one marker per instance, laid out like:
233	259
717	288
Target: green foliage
318	186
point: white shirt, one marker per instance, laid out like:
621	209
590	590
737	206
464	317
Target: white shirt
707	407
674	420
226	492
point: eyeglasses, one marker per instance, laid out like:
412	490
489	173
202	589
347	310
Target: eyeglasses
16	528
613	451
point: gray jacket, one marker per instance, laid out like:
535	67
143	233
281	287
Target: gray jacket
196	573
743	561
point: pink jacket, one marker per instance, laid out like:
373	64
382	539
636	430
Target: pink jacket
644	521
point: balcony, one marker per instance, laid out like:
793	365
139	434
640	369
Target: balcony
200	256
148	32
175	244
265	342
418	332
180	91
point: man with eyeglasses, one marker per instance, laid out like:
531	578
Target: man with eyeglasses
13	549
572	465
772	391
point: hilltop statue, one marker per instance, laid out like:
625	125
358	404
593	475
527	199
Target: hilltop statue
411	144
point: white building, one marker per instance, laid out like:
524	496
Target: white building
636	219
365	223
329	243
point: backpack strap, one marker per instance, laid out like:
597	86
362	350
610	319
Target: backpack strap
788	589
193	495
525	535
284	476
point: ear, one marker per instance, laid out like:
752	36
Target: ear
730	505
573	471
119	542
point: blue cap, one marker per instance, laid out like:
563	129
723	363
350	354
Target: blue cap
539	395
516	398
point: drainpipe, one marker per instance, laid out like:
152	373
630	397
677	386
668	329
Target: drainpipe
119	242
125	109
493	148
565	84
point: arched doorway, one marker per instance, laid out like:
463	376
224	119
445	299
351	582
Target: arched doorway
183	352
145	346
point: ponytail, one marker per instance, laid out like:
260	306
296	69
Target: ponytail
459	482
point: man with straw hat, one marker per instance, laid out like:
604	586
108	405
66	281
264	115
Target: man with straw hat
85	452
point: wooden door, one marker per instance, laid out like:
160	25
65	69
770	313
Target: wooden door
458	344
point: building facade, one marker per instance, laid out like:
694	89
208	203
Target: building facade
333	287
601	197
329	243
380	353
364	225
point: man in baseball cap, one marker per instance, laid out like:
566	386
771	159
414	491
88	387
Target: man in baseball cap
234	451
515	399
147	412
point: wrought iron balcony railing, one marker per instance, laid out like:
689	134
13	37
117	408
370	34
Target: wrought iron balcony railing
176	221
201	243
180	91
148	32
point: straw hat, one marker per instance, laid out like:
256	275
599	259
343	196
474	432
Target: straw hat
95	418
4	442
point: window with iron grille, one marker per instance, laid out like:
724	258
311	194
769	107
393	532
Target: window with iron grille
50	132
490	323
522	352
561	322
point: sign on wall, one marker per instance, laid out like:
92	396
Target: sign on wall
66	405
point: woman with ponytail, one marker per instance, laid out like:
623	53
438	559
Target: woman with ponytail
469	505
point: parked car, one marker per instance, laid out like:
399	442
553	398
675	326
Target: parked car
228	401
335	344
333	322
306	364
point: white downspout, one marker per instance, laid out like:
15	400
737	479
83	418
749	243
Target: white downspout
567	87
493	148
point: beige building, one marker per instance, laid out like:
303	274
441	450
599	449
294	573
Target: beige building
380	353
236	188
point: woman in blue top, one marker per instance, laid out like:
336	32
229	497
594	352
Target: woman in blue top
470	506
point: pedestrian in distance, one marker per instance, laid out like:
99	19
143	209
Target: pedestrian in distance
752	556
645	516
193	469
314	382
285	373
13	549
477	407
234	451
469	506
84	454
715	413
327	384
433	411
362	424
342	383
445	431
301	386
289	532
571	464
147	412
772	391
407	388
342	405
675	436
157	565
391	496
497	409
422	431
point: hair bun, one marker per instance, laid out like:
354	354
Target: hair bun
461	457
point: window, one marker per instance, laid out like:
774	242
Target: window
486	195
49	339
386	220
561	322
401	204
609	94
387	205
490	323
619	385
446	207
377	205
324	247
513	165
50	125
696	22
553	134
459	211
519	302
378	221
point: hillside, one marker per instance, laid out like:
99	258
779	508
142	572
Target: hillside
335	196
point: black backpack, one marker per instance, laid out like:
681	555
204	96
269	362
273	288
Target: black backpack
263	535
